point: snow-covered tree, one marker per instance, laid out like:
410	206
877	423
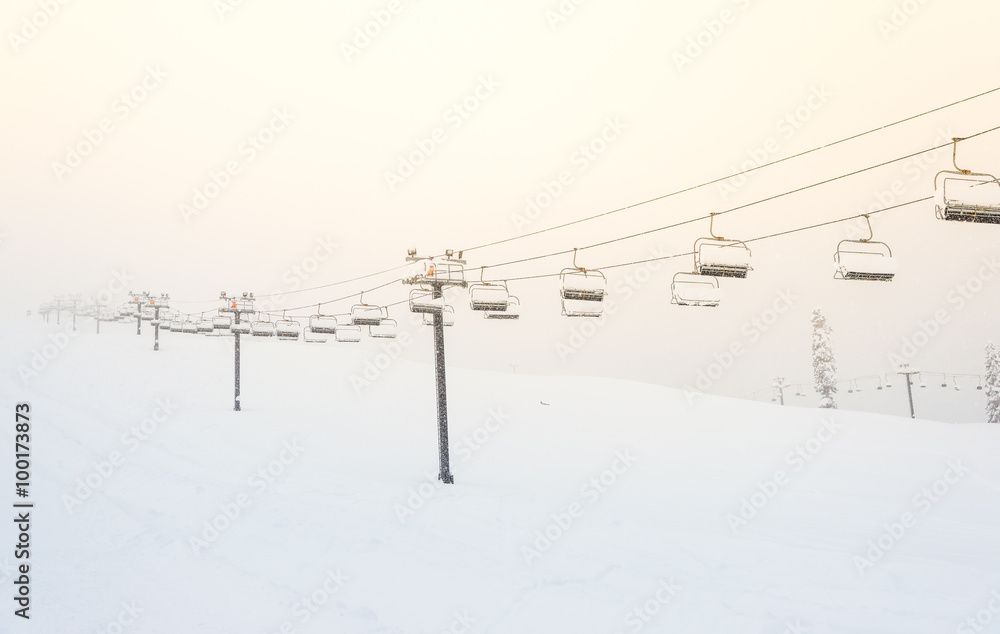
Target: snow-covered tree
992	383
824	365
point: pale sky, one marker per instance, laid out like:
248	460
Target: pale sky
495	100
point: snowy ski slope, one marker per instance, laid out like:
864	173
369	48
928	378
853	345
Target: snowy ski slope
580	505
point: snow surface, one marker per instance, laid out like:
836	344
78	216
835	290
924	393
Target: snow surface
367	451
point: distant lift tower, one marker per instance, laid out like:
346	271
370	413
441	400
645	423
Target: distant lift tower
431	277
237	306
140	300
158	303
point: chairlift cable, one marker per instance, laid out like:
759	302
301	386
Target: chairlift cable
725	178
739	207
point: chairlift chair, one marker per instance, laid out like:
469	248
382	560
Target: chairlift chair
189	327
176	326
366	315
966	196
716	256
693	289
311	336
222	322
486	296
240	328
287	329
422	300
348	334
321	324
262	328
447	316
513	310
386	329
583	292
204	326
864	259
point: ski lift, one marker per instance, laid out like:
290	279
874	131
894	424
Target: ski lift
944	381
423	301
204	325
447	316
954	383
966	196
237	304
386	329
513	310
448	269
692	289
262	328
923	383
850	387
222	322
487	296
147	313
888	381
321	324
583	291
363	314
864	259
348	334
311	336
287	329
719	257
189	327
980	386
177	326
240	328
